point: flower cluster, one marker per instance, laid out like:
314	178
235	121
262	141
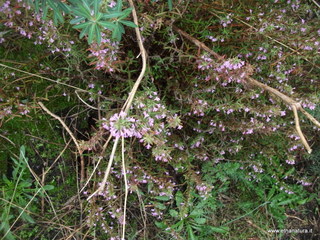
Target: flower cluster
226	20
205	62
105	54
120	125
230	65
33	26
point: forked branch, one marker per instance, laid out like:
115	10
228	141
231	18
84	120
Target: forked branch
128	103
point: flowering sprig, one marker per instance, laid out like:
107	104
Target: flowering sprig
120	125
105	54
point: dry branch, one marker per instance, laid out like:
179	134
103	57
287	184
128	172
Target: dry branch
71	135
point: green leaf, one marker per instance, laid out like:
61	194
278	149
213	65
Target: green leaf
160	225
84	31
178	226
162	198
219	229
125	13
170	5
22	152
36	6
25	184
44	11
179	198
271	193
91	34
200	220
160	206
196	212
96	5
57	16
190	233
48	187
86	6
116	34
109	25
82	11
128	23
112	15
82	25
285	202
64	7
173	213
98	34
78	13
98	16
119	5
303	201
27	218
121	28
77	20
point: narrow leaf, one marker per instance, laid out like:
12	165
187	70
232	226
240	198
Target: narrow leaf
96	6
81	25
91	34
77	20
108	25
84	31
119	5
112	15
170	5
128	23
125	13
98	34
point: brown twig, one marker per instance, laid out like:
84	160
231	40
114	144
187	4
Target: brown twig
197	42
302	138
71	135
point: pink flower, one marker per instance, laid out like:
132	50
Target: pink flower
122	126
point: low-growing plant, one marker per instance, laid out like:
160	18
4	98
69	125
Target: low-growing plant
212	143
18	196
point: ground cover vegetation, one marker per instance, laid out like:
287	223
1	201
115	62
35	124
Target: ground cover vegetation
150	119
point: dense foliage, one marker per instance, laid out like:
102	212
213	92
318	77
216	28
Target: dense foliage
213	143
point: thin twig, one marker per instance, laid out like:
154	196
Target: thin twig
197	42
41	186
143	214
57	158
45	78
7	139
125	190
95	168
88	105
62	123
71	135
311	118
143	53
302	138
317	4
23	210
106	174
257	227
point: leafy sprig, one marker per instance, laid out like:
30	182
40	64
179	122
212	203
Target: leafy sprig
88	16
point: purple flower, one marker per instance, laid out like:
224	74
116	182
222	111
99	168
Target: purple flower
122	126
